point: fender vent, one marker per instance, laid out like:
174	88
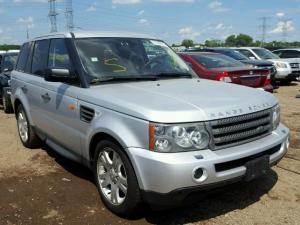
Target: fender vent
86	114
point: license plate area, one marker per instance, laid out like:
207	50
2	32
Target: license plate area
257	167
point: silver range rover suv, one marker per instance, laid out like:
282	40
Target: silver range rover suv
130	109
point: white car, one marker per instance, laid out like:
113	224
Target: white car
289	54
287	69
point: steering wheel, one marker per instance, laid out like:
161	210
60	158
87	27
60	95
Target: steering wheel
158	60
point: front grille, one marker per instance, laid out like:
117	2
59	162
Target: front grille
240	129
294	65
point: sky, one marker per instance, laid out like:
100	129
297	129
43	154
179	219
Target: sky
170	20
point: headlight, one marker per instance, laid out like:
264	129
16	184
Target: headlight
276	117
178	138
280	65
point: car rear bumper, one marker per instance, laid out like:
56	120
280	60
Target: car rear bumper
162	174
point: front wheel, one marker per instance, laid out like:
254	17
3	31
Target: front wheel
116	179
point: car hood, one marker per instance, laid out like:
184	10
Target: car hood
178	100
257	62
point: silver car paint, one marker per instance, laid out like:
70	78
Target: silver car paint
124	110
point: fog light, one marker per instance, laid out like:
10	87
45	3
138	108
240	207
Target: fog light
199	175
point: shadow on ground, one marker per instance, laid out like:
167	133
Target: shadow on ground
221	201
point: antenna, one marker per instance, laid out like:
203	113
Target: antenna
69	15
264	28
52	15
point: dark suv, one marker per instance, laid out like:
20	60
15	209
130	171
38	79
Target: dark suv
7	64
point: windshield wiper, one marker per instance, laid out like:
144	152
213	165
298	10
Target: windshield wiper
174	74
122	78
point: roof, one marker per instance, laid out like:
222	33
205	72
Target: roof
199	53
246	47
89	34
295	49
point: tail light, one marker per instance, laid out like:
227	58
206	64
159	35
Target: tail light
268	79
224	76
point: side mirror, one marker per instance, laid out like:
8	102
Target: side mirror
58	75
252	58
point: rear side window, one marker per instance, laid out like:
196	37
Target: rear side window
40	55
58	55
290	54
23	57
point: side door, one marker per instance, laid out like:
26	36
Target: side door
59	104
28	84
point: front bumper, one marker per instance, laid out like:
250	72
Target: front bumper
282	73
165	173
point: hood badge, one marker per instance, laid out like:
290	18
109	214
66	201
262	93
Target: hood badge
236	112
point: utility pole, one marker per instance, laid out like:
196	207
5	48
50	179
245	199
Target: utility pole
264	28
69	15
27	32
52	15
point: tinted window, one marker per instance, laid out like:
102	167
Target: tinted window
232	53
40	55
216	61
9	61
58	55
265	53
23	57
246	53
290	54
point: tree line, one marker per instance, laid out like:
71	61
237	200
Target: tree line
9	47
240	40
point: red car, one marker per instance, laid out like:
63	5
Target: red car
215	66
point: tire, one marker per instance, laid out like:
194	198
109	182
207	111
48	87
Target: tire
110	174
27	135
286	82
6	102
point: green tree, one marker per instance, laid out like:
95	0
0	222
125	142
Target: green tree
231	40
243	40
214	43
187	43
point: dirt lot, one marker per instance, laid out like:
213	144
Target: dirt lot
40	187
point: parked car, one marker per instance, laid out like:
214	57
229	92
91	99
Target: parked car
7	64
261	64
148	128
291	53
215	66
287	69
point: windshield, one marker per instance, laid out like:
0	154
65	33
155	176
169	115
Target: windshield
265	53
217	61
10	61
105	58
234	54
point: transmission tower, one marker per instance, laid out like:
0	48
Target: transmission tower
69	15
52	15
264	28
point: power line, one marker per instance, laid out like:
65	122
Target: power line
264	28
69	15
52	15
285	28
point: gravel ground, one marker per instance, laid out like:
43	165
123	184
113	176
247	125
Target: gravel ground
40	187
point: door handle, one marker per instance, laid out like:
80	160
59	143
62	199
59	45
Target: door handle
46	97
24	89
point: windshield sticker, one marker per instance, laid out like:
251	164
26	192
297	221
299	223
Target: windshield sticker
159	43
94	59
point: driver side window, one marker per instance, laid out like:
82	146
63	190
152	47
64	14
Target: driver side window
58	55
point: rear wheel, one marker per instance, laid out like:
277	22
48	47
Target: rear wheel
6	102
116	179
27	135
